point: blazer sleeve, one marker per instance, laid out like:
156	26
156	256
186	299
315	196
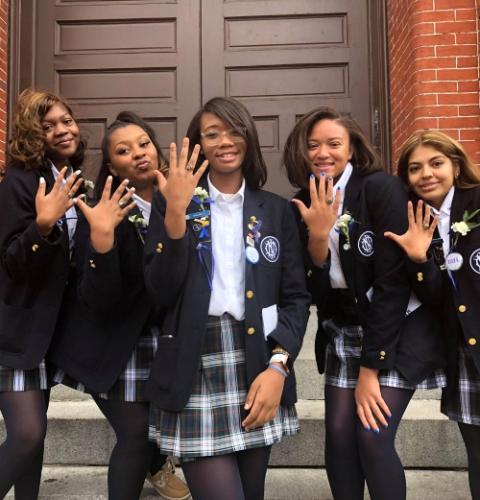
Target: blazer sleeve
100	284
166	259
427	281
24	253
386	201
294	303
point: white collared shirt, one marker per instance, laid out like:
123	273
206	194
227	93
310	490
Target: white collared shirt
71	213
228	249
145	207
444	220
337	278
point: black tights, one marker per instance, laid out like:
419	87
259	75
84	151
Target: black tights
133	455
353	455
471	438
237	476
21	454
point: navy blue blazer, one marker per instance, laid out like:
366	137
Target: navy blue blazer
457	304
106	314
177	281
375	264
33	271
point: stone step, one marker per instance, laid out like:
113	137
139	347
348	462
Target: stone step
90	483
79	435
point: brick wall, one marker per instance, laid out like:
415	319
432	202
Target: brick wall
3	78
434	70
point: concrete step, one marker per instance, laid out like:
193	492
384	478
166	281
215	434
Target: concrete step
78	434
90	483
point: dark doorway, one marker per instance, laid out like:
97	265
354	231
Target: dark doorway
163	59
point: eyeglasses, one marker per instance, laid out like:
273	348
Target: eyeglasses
214	137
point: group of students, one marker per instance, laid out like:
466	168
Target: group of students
177	294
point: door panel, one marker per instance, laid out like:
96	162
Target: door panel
282	58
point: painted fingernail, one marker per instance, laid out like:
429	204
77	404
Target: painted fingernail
42	180
389	416
330	178
322	174
376	431
78	172
312	176
338	188
367	428
385	425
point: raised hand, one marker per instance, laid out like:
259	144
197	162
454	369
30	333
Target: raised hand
179	187
52	206
107	214
320	216
416	241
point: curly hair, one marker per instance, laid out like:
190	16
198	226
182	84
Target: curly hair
469	175
27	145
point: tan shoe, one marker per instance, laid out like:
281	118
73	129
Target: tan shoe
167	484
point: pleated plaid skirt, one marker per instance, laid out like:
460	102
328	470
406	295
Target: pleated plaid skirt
464	405
130	385
14	380
210	423
342	363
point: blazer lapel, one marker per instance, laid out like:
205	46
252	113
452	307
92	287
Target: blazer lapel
351	204
252	207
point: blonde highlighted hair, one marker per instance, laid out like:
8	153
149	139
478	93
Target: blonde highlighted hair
469	174
27	145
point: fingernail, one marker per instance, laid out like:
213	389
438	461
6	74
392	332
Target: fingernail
78	172
385	425
312	176
389	416
367	428
338	188
330	178
109	178
126	181
376	431
132	190
322	174
42	180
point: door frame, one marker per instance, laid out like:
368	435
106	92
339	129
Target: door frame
22	63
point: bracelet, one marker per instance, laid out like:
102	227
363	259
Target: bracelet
280	350
278	369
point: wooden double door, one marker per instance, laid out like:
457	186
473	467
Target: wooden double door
163	59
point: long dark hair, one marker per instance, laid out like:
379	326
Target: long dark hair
123	119
236	116
27	146
295	153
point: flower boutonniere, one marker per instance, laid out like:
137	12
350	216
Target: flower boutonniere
201	196
342	225
140	224
463	227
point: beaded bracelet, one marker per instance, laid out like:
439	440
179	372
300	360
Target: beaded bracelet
278	369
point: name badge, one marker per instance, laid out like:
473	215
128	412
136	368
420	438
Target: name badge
454	261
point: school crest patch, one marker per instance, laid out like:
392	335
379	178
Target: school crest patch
475	261
270	248
365	244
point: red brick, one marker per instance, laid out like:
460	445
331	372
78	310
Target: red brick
465	14
469	110
425	75
422	122
420	52
424	29
455	27
460	122
467	62
436	15
447	4
428	100
437	87
419	5
456	50
437	111
466	38
463	98
468	86
428	40
457	74
438	62
454	133
469	134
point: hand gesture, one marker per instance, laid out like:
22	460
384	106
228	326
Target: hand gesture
371	407
179	187
417	239
263	398
52	206
107	214
322	213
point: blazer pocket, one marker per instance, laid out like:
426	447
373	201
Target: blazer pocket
164	366
14	329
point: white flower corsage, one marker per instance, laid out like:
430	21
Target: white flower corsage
88	184
463	227
342	226
140	224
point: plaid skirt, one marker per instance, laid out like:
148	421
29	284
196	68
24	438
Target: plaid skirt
464	406
130	385
210	423
342	363
15	380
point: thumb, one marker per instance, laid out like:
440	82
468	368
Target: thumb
161	180
392	236
252	392
300	205
82	205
